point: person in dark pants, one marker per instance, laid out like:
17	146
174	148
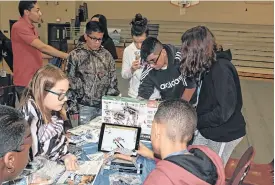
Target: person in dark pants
28	50
92	73
221	125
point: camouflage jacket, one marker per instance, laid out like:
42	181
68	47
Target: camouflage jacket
92	74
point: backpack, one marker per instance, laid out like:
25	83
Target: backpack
56	62
6	50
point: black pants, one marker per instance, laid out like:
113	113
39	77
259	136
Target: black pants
19	91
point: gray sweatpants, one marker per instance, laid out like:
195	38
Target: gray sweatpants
223	149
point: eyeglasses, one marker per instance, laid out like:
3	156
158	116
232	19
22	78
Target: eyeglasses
154	61
61	96
95	39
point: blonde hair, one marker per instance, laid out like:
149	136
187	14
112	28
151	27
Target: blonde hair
44	78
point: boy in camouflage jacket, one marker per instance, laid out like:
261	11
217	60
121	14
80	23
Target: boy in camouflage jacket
92	73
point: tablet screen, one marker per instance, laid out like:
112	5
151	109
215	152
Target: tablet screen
118	136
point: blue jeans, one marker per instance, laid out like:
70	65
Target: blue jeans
87	113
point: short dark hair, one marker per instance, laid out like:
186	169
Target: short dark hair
25	5
149	45
93	26
12	128
198	51
139	25
180	119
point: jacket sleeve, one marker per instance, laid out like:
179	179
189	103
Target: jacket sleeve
189	83
157	177
226	95
113	89
126	72
146	87
73	71
177	57
76	90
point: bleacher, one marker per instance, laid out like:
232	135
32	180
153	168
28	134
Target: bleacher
251	45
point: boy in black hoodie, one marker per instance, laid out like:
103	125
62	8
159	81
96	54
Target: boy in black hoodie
162	72
221	125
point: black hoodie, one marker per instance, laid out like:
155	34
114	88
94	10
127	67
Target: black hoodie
220	102
170	83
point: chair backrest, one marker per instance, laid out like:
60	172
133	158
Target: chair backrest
242	167
7	91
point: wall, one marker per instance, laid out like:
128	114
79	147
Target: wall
223	12
50	11
8	11
0	16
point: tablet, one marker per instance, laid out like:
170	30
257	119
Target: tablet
114	136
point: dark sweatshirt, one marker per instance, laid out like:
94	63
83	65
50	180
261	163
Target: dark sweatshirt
202	167
220	102
170	82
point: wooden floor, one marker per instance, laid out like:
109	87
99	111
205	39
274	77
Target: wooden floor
258	110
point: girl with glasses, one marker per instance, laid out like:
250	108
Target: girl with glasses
43	108
131	68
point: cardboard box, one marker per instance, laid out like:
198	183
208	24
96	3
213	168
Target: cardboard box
131	112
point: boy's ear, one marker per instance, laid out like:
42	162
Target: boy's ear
9	161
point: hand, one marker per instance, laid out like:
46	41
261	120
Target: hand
135	65
145	152
70	162
65	56
42	182
37	180
124	157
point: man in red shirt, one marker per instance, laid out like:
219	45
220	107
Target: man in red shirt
27	47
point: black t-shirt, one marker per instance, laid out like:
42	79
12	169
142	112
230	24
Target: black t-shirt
170	82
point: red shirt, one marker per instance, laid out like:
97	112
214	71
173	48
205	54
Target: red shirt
26	59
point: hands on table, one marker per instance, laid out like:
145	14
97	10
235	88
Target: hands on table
143	151
70	162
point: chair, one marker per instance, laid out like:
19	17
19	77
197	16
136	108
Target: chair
259	174
7	89
240	167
